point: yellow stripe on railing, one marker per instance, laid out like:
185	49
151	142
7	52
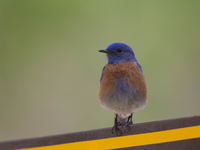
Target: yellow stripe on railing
129	141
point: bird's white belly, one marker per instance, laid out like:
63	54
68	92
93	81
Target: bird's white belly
123	102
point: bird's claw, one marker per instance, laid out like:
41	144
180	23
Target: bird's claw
117	131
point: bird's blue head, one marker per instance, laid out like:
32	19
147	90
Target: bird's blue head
119	52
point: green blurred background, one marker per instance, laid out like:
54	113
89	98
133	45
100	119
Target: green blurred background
50	67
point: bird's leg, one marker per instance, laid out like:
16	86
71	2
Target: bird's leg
116	130
130	121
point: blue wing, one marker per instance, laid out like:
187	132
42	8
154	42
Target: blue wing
140	67
102	73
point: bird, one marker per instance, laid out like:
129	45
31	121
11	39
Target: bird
123	88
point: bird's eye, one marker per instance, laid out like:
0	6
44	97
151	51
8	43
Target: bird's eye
119	50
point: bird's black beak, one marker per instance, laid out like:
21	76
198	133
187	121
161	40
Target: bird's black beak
103	51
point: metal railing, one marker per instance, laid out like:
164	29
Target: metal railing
173	134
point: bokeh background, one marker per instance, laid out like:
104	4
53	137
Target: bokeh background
50	67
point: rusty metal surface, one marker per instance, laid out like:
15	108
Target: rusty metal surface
106	133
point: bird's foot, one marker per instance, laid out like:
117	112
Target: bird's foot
120	130
122	127
117	130
127	126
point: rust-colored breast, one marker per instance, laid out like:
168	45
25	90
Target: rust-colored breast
128	71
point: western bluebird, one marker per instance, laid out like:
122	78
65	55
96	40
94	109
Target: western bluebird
123	88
